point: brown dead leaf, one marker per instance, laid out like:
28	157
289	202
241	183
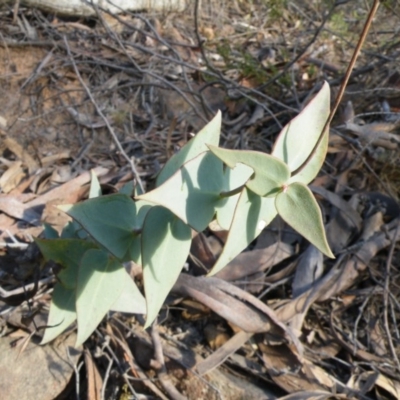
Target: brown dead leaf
373	224
207	32
22	187
5	224
352	215
201	251
208	292
309	269
377	134
254	261
194	310
52	159
347	274
222	353
339	278
215	336
377	337
11	206
12	177
94	380
286	370
366	381
236	306
69	192
281	273
21	153
390	385
311	395
54	216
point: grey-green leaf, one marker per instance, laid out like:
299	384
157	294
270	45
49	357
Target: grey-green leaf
62	312
130	300
95	188
298	138
234	178
165	248
110	220
101	280
313	166
193	192
299	209
270	173
208	135
252	214
68	253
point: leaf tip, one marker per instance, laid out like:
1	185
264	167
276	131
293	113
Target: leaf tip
329	253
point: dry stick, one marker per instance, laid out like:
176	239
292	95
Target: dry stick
386	296
350	68
116	360
162	370
106	375
107	123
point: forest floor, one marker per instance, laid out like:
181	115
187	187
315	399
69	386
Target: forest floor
119	94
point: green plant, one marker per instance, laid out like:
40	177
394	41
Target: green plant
241	190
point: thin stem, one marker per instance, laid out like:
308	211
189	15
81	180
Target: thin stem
350	68
232	192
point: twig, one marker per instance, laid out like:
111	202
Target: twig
136	370
18	245
106	375
162	370
26	288
346	78
76	370
115	358
107	123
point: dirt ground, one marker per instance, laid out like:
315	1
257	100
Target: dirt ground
120	94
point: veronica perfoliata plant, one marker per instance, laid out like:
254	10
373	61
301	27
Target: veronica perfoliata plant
241	191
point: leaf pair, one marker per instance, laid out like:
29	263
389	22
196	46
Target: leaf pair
272	177
91	283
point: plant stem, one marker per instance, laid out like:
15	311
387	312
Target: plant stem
346	78
232	192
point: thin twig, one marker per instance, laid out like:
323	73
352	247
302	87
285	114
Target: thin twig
106	375
76	368
346	78
162	370
105	119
